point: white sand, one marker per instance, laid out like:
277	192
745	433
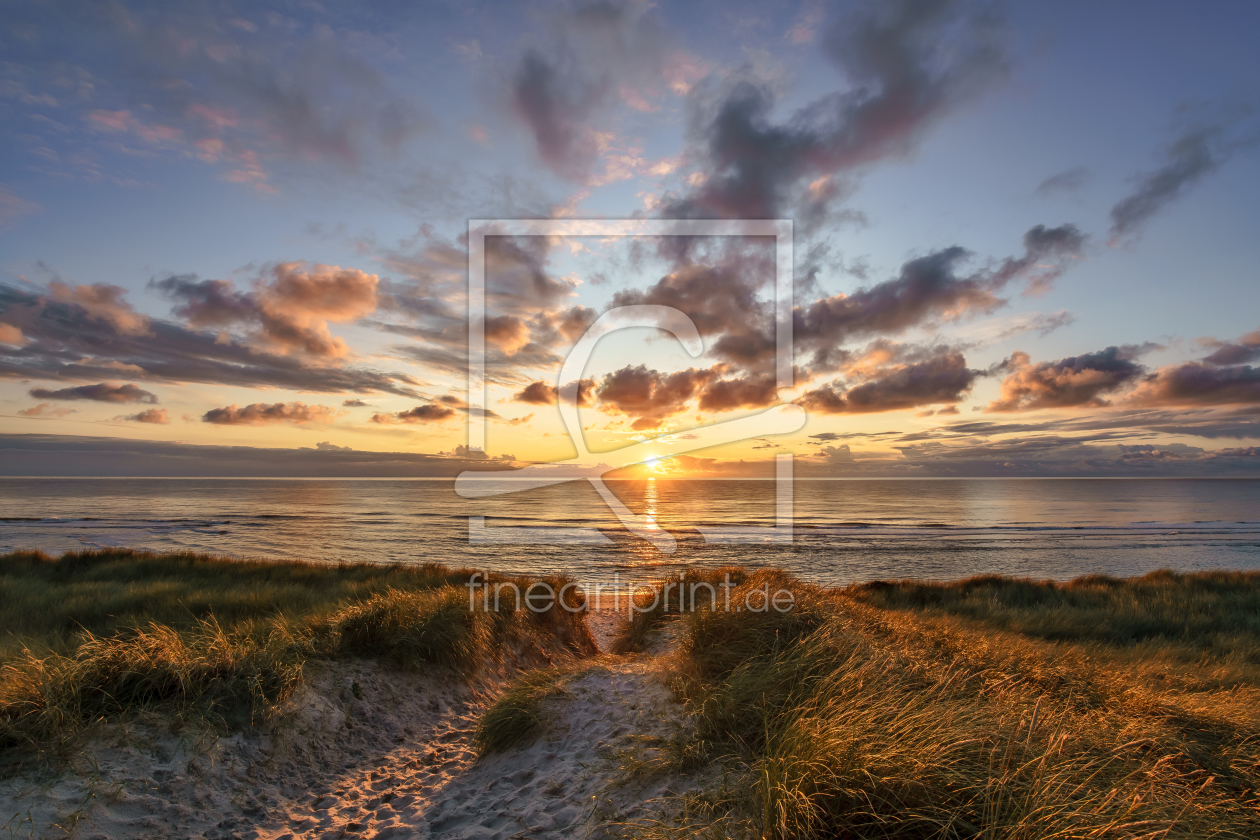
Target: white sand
374	753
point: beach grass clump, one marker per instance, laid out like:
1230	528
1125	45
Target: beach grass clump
1216	612
856	714
517	717
65	675
50	601
657	604
206	672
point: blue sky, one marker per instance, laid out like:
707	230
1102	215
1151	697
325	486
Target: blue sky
320	163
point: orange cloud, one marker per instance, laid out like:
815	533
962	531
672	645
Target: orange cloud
104	302
149	415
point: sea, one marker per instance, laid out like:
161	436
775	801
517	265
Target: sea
828	531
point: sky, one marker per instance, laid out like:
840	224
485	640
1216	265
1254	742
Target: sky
234	236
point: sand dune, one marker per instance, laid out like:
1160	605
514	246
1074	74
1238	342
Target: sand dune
364	751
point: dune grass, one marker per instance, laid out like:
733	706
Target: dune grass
516	718
97	636
988	708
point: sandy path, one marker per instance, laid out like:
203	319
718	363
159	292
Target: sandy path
375	754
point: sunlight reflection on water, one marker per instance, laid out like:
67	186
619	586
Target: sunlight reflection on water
846	530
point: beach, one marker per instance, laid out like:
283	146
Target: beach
1126	706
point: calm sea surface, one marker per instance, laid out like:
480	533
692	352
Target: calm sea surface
845	531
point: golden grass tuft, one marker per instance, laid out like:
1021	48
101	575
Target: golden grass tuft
70	669
906	710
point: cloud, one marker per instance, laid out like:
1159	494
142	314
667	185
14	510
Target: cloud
463	451
11	335
507	332
600	53
288	310
1195	383
1198	152
1069	180
908	64
537	393
1245	349
835	454
928	287
103	302
752	391
149	415
102	392
649	396
540	393
50	455
262	413
286	88
354	404
46	410
66	340
325	446
941	378
1074	381
426	413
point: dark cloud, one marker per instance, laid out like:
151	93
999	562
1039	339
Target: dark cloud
540	393
828	437
598	51
96	456
927	287
354	404
537	393
434	412
1069	180
752	391
1196	153
262	413
718	291
942	378
908	63
1195	383
556	109
1075	381
649	396
1245	349
65	339
1239	424
101	392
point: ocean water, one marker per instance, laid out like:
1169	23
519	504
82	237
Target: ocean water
844	531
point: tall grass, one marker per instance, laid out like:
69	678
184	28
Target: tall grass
908	711
228	641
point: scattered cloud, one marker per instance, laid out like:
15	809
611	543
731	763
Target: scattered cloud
1196	153
1069	180
46	410
1076	381
149	415
101	392
426	413
263	413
